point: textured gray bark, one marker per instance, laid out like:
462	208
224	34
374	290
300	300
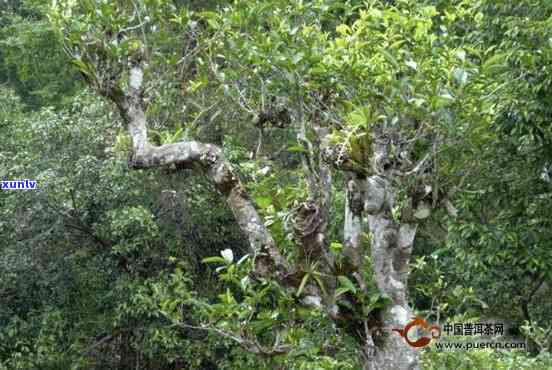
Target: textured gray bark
391	248
370	198
353	227
390	259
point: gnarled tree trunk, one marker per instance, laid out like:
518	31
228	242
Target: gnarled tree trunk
391	248
369	204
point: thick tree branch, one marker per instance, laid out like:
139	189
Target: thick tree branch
206	157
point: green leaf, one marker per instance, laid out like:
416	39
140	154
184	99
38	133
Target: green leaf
319	282
215	259
336	247
213	23
346	283
83	66
340	291
263	202
302	285
390	58
497	61
297	58
298	148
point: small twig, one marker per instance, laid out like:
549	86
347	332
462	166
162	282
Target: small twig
98	343
247	344
419	167
132	28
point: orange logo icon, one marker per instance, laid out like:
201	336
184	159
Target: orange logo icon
422	341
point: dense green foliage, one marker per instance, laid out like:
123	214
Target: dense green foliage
104	267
